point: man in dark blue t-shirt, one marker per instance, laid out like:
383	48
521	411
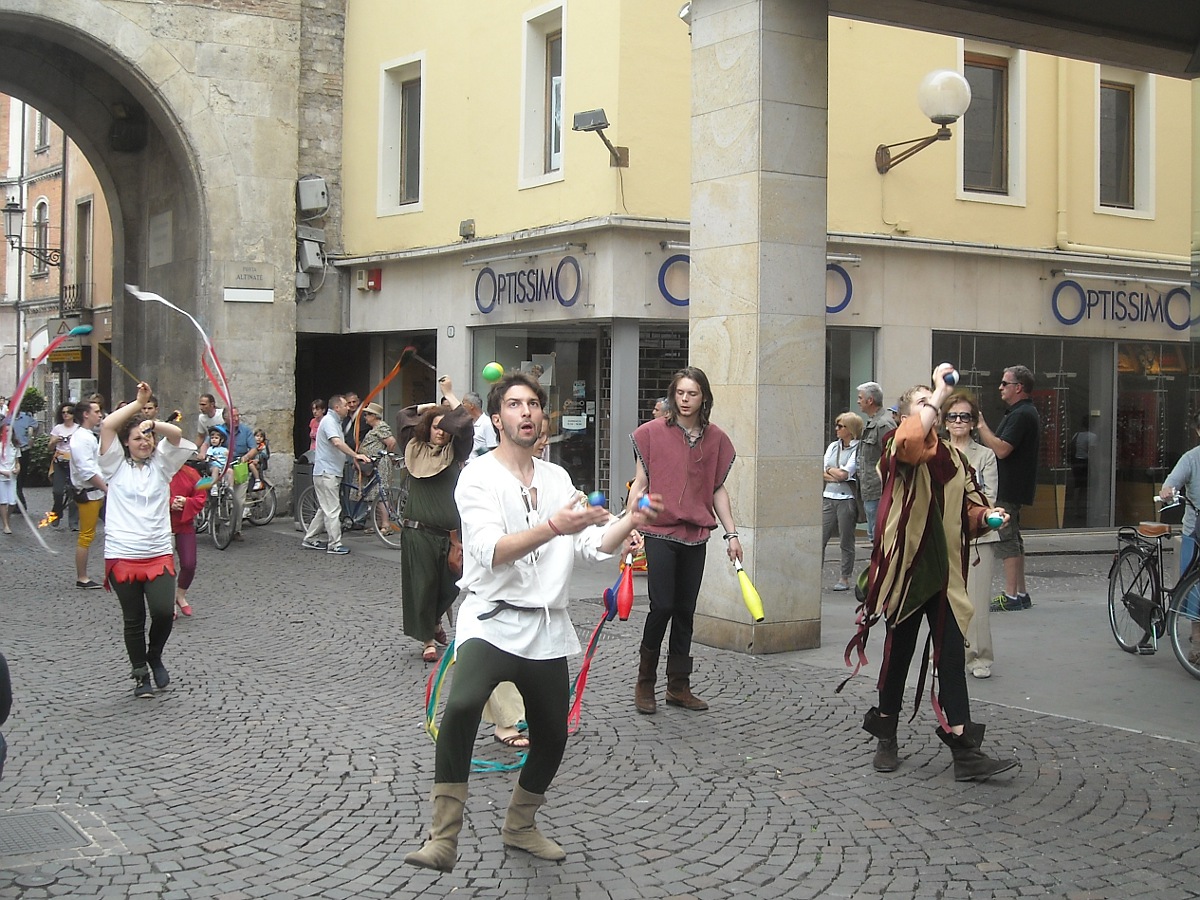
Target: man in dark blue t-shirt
1015	443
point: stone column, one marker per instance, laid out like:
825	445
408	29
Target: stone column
759	223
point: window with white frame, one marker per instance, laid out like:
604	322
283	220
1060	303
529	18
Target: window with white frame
991	133
554	110
985	125
1116	144
41	235
41	131
543	96
1124	142
401	135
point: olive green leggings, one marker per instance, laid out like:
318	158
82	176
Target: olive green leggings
544	685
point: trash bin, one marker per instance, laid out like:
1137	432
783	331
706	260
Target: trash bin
302	479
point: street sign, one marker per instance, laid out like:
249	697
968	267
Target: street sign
57	327
64	356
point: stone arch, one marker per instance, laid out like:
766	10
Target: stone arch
188	115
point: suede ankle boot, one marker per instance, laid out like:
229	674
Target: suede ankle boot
441	850
643	694
679	689
519	830
887	753
971	763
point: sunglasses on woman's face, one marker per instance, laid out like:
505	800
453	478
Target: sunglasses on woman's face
959	417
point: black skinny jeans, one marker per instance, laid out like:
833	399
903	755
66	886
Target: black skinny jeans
546	690
135	596
673	575
64	501
949	650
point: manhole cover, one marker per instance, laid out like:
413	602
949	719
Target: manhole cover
33	832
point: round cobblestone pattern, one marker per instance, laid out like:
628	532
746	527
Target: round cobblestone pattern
288	760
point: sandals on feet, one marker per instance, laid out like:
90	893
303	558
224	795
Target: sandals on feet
518	741
429	654
440	635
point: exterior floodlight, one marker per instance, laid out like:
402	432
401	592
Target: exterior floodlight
595	120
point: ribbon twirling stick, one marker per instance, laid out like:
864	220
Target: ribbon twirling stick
215	372
15	406
116	362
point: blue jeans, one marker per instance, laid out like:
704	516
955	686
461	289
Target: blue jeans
872	508
1190	605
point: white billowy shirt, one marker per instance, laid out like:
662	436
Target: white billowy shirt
493	503
137	518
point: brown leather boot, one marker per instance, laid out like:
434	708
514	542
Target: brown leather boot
679	690
643	694
440	852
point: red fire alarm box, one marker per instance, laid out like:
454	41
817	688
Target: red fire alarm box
374	279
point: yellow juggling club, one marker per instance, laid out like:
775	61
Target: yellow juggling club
749	594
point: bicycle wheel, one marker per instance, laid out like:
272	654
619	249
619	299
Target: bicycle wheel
222	519
308	506
201	520
1131	596
1183	623
262	511
389	533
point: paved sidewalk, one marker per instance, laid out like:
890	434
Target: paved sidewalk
288	759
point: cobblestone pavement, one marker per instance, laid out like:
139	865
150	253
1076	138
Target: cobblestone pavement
288	760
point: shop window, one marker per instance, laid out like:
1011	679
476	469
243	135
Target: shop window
542	98
1125	143
991	144
849	362
401	136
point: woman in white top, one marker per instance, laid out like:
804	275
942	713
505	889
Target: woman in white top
139	553
960	415
60	446
839	511
10	465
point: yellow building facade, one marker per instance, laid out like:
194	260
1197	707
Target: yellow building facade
1052	230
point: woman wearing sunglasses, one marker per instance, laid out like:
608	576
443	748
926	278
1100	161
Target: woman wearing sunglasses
960	416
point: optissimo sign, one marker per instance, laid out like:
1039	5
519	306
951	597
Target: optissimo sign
559	283
1072	303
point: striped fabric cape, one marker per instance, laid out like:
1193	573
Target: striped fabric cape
930	509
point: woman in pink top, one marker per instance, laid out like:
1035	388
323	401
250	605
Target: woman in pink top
318	413
686	459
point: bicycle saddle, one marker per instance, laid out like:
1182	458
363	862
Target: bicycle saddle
1153	529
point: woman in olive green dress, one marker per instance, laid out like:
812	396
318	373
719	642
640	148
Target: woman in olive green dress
437	442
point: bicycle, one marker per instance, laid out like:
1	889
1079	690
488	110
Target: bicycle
387	506
261	503
1141	609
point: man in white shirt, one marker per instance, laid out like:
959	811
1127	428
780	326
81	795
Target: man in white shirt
485	434
209	416
523	525
327	479
89	485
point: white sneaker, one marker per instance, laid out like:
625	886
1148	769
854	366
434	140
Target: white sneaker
982	672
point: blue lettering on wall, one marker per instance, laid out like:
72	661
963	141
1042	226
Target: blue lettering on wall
845	301
562	282
677	259
1071	303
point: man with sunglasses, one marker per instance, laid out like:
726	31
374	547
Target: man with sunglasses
1015	443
